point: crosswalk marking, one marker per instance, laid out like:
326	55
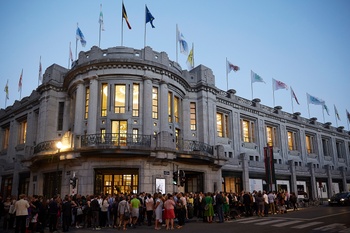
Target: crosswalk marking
329	227
253	220
286	223
309	224
269	222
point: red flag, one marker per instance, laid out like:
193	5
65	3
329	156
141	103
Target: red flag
125	16
294	96
231	66
279	85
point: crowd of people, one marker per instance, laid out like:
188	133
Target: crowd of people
122	211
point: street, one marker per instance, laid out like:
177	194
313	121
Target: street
307	220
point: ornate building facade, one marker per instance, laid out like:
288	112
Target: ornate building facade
128	119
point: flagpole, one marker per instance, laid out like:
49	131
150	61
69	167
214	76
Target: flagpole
193	54
273	94
177	39
122	25
76	45
226	76
99	36
251	83
291	99
308	104
323	114
144	40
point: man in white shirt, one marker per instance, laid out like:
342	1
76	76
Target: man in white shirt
21	209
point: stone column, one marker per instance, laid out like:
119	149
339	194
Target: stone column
93	103
293	177
163	107
343	175
147	123
79	110
245	171
313	181
329	180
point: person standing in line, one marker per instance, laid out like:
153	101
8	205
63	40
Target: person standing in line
219	206
169	211
6	209
266	204
104	212
21	209
135	210
95	210
149	208
272	207
158	209
124	212
53	214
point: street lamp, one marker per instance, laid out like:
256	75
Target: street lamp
59	146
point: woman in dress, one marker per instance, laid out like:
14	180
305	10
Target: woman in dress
169	212
209	209
158	209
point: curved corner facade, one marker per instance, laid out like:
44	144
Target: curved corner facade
130	120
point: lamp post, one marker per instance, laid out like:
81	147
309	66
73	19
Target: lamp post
59	146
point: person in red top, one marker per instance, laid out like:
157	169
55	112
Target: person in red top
169	213
21	209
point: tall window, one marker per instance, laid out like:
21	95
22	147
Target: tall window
248	130
340	149
170	107
193	116
60	116
6	138
326	147
292	145
22	132
177	109
119	102
119	132
135	135
155	102
103	135
222	125
310	144
271	136
87	97
135	100
104	98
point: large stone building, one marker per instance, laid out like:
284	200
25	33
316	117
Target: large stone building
128	119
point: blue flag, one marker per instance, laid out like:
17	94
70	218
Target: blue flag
149	17
314	100
80	36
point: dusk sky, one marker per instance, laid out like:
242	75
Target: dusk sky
305	44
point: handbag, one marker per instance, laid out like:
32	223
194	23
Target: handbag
206	207
79	211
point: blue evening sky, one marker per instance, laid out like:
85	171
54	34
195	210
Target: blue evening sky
305	44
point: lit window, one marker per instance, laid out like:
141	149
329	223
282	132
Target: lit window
135	100
155	103
193	116
119	132
177	109
119	103
310	144
170	107
292	145
222	125
104	98
23	132
6	138
87	97
271	136
248	130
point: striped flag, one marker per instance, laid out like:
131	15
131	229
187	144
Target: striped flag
278	85
6	89
80	36
293	95
125	16
336	112
230	66
20	81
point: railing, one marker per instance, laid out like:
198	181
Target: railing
188	145
115	139
45	146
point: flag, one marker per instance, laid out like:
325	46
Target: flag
149	17
231	66
182	42
6	89
336	112
294	96
326	108
100	20
70	53
20	81
278	85
190	59
80	36
348	115
40	71
125	16
314	100
256	78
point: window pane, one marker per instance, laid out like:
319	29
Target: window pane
119	102
104	97
135	100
